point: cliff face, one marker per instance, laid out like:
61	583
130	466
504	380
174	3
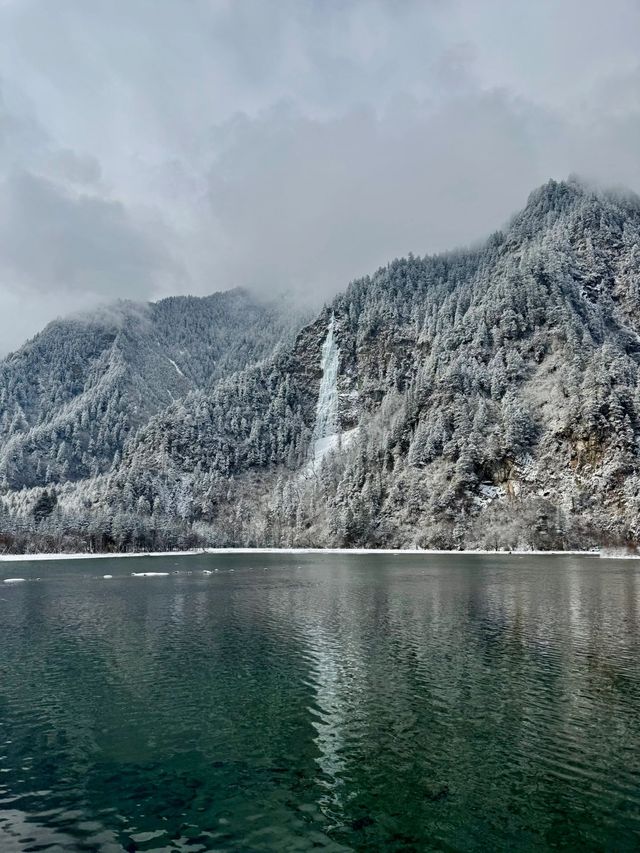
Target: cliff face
485	398
304	363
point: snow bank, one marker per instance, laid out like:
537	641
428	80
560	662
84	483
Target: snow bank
14	580
399	552
27	558
345	551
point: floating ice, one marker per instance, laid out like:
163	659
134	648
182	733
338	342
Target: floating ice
149	574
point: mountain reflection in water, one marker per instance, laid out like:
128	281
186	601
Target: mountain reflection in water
285	702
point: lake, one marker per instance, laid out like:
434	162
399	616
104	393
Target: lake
339	702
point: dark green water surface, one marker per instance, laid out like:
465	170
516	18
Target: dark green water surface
287	702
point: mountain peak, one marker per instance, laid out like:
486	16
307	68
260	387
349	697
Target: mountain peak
572	199
483	398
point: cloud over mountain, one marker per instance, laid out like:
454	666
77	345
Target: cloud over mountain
157	148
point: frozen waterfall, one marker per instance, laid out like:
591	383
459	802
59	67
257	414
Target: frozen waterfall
326	433
327	424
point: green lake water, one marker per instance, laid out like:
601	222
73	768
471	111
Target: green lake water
293	702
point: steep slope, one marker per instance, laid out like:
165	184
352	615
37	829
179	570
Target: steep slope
71	397
486	397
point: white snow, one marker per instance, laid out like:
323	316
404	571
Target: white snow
28	558
149	574
490	491
14	580
345	551
107	577
326	432
180	373
327	407
325	445
400	552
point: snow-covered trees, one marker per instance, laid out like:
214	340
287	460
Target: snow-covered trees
489	396
72	397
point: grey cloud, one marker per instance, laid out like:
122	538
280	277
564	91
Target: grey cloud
159	146
308	204
68	166
21	137
52	239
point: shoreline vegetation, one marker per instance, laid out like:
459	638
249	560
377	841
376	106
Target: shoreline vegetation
605	553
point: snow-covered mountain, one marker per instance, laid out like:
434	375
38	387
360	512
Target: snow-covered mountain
486	397
72	396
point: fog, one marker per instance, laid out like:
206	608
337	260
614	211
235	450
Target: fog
156	147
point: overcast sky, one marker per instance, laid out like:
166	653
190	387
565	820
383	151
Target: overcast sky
150	147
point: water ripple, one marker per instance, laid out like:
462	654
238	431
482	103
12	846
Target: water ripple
331	702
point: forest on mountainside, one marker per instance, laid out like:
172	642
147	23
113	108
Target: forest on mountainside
486	397
72	397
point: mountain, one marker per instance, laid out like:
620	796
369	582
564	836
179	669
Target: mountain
72	396
485	397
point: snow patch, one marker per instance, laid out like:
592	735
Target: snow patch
324	446
490	491
14	580
178	371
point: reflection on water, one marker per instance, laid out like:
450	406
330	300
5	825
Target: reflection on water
342	703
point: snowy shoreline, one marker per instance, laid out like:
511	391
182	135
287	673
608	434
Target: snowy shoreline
25	558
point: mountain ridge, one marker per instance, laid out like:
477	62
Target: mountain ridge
489	397
93	380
